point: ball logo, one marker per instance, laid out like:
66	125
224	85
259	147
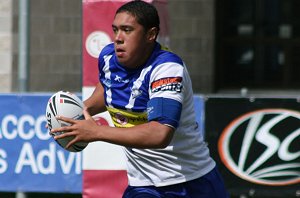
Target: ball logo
263	147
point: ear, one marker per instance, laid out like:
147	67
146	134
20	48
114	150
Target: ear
152	34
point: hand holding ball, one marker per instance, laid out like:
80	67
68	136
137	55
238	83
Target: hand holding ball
68	105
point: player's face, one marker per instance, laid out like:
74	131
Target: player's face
130	40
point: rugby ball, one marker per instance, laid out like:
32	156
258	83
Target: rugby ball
67	104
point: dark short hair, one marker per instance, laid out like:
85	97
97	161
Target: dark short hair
145	13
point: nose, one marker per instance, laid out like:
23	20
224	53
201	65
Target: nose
118	38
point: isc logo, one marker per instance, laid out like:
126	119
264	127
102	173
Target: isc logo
263	147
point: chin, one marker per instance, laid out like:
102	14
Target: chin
121	62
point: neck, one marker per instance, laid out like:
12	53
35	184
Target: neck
142	60
148	51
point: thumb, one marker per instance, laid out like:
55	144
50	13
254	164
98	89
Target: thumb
86	114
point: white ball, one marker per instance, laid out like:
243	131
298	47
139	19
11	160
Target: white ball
67	104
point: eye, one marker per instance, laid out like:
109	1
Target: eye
127	30
115	30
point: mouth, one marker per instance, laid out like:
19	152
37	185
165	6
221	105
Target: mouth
120	52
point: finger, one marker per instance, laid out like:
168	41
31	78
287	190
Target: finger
73	141
57	135
66	129
65	119
60	135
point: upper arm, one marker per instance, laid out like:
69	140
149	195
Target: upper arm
95	103
166	94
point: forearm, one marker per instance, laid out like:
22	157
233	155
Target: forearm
93	109
149	135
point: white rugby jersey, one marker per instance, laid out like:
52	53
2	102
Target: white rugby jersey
160	90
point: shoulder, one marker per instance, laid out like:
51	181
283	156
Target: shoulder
165	55
107	50
166	63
